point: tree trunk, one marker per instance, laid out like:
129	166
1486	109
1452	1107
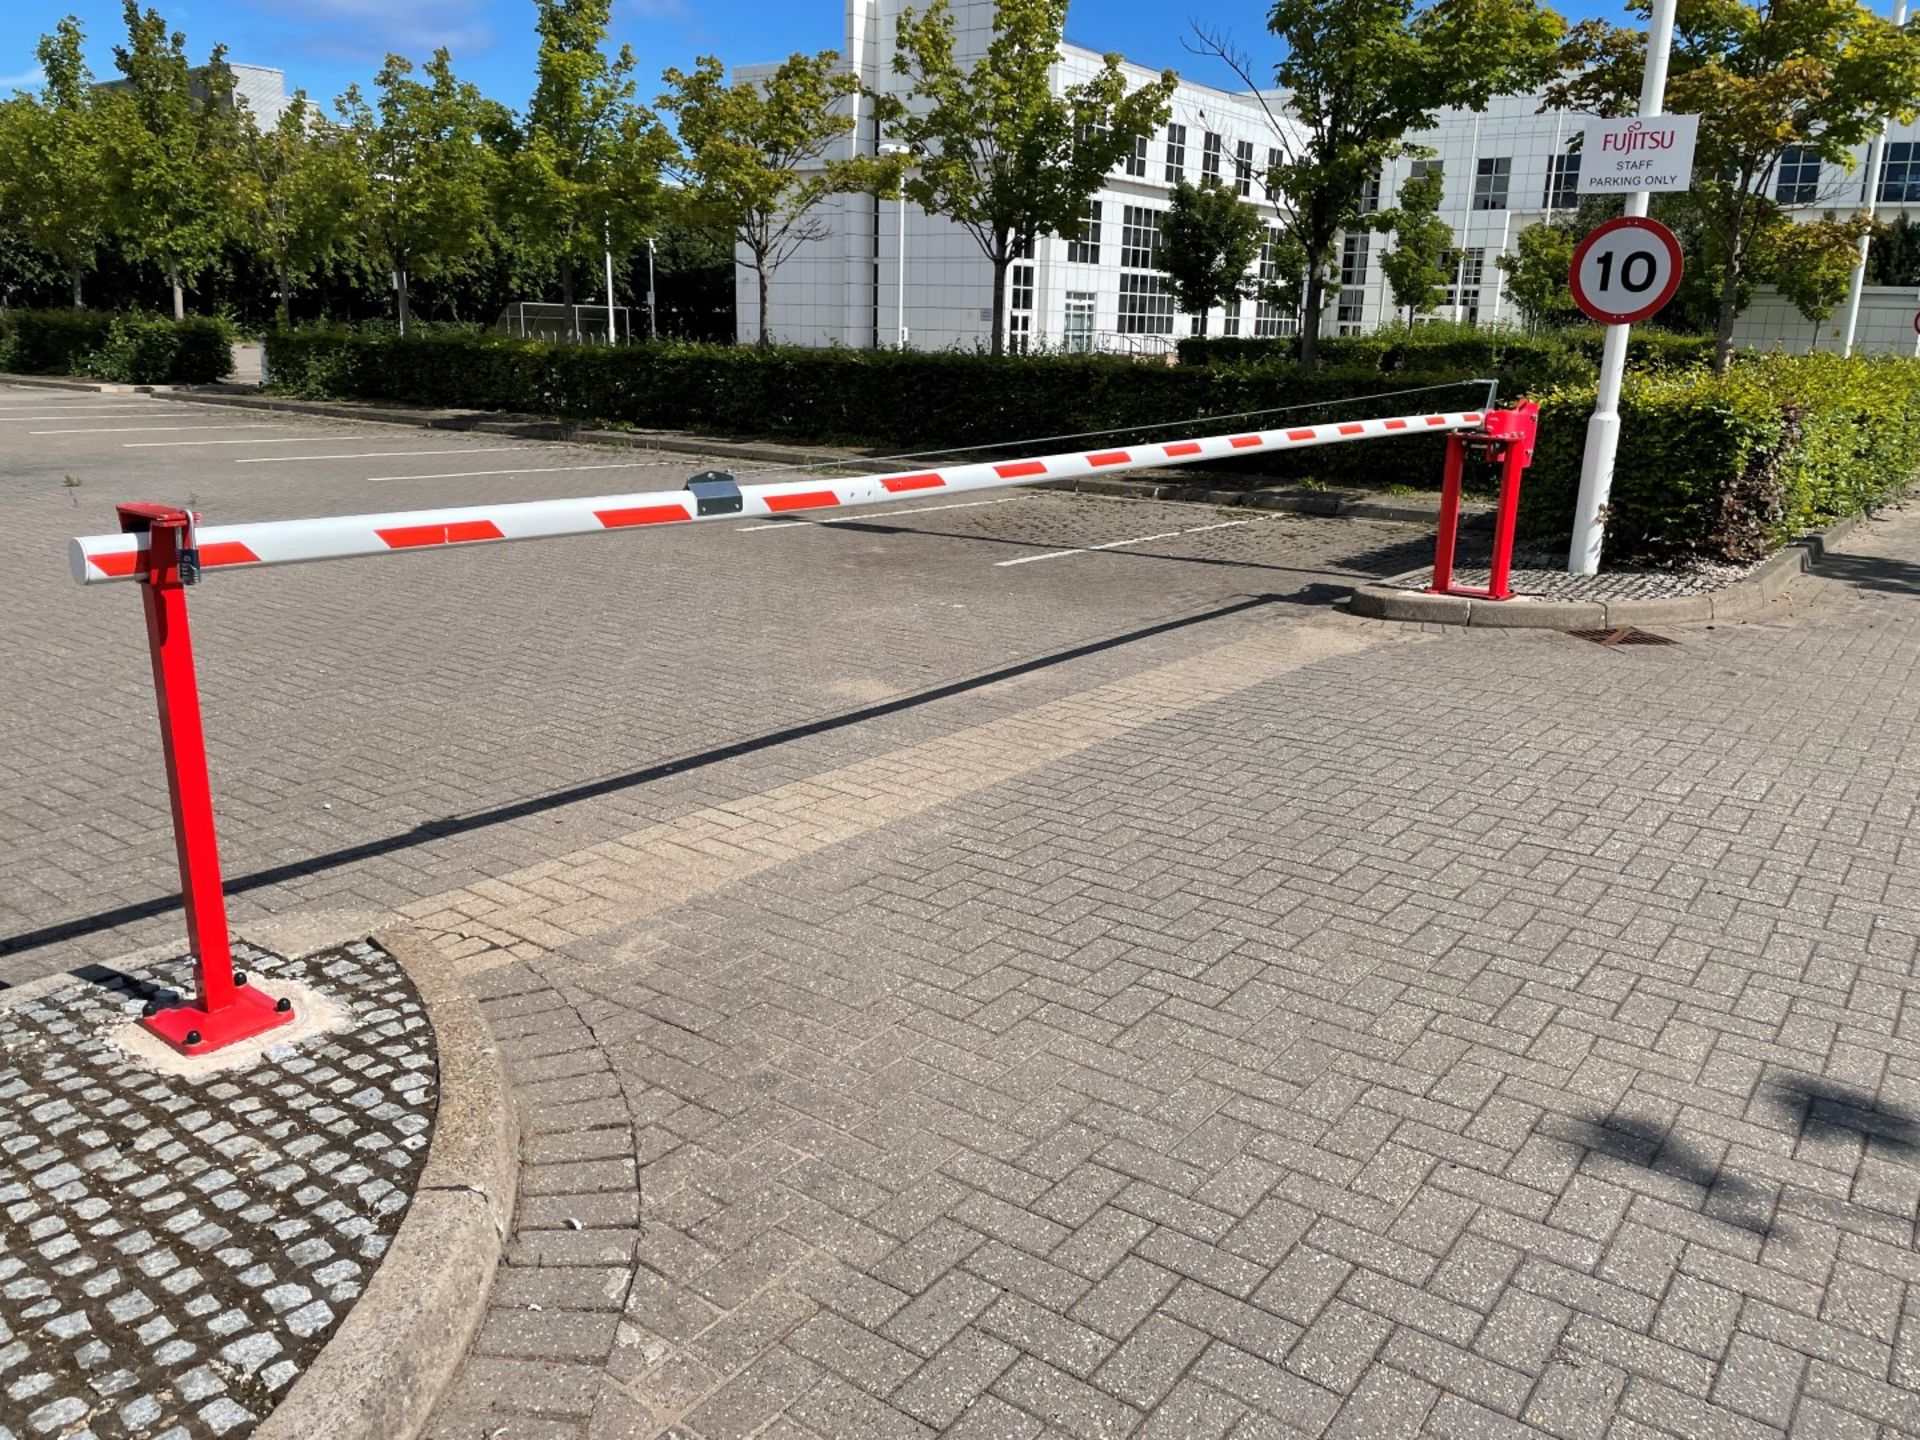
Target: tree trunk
179	293
1729	309
1310	317
283	312
566	297
766	338
75	277
999	345
1203	324
400	297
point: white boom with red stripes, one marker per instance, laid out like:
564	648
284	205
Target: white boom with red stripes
99	559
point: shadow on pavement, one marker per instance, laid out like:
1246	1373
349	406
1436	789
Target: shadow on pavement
454	825
1871	572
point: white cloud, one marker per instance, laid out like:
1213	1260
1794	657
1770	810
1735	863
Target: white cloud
367	30
25	80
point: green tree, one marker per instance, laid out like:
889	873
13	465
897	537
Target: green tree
1811	263
302	185
993	147
1358	76
1895	255
1537	273
171	151
50	161
424	171
1419	267
586	173
1209	241
1762	75
753	162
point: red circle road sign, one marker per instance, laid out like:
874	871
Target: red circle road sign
1626	270
1916	322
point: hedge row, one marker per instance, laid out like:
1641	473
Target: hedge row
1726	468
1709	468
126	347
1553	356
912	401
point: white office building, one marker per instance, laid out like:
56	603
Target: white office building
1505	168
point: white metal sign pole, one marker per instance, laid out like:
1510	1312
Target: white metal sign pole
1874	153
1603	430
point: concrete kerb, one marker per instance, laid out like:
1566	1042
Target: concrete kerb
1745	597
399	1348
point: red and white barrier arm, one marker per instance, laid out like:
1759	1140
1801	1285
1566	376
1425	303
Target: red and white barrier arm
98	559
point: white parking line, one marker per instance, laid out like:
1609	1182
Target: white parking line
69	414
135	429
877	515
370	454
1117	544
534	470
166	444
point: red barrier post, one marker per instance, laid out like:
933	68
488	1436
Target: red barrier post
1506	439
225	1009
1449	515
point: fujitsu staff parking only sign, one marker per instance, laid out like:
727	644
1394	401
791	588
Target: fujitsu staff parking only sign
1621	156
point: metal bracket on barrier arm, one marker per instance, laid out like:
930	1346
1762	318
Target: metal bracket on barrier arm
225	1009
716	492
1505	438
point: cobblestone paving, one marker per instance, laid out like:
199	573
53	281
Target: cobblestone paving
1557	584
176	1251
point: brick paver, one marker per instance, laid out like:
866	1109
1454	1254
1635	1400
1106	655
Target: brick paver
1272	1025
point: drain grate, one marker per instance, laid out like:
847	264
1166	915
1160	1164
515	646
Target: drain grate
1625	635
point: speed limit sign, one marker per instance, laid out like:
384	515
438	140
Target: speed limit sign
1626	270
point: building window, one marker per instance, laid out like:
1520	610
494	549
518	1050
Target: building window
1900	173
1799	176
1268	321
1020	309
1084	248
1145	306
1176	154
1137	161
1370	194
1139	237
1490	178
1243	168
1231	325
1211	149
1078	332
1563	182
1274	157
1468	269
1352	307
1423	168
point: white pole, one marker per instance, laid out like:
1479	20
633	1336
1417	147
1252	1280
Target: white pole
1874	153
900	267
609	253
1603	430
653	317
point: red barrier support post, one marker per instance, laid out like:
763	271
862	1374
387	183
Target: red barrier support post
1505	439
225	1008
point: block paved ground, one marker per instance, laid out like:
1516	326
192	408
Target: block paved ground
1098	996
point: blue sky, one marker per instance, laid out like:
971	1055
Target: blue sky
325	44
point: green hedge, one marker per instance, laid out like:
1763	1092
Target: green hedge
1545	358
912	401
130	348
1726	468
1710	468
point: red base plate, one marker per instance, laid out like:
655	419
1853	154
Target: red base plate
250	1014
1466	592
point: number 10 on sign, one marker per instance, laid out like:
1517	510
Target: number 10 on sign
1626	270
